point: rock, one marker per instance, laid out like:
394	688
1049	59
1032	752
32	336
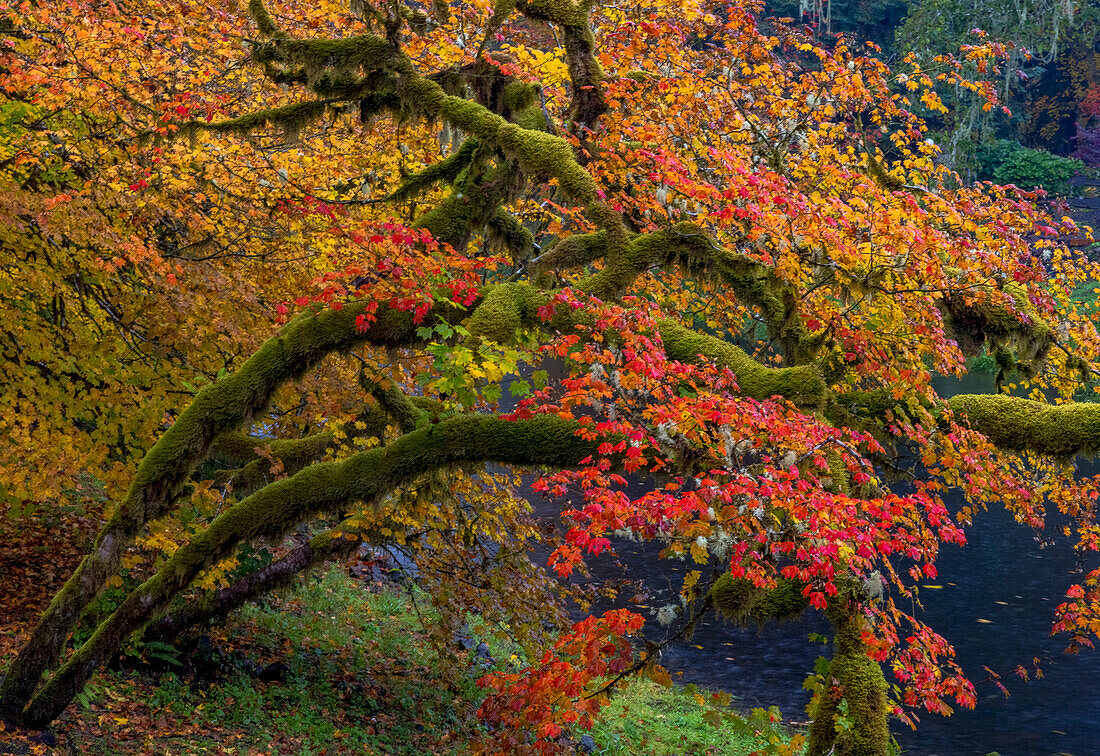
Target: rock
45	738
274	672
483	654
587	744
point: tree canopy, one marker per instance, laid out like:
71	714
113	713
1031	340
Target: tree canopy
275	266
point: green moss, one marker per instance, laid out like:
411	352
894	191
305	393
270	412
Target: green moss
446	170
1016	424
838	472
516	238
859	726
263	20
1019	338
688	246
564	12
741	602
547	155
290	118
454	219
520	95
365	51
502	313
575	251
400	407
802	385
532	119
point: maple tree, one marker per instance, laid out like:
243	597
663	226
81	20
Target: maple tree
393	209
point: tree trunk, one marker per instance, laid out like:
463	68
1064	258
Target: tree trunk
850	715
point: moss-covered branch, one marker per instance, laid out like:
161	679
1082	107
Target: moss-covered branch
689	247
407	412
585	72
1016	335
446	170
272	512
857	679
255	471
263	20
290	118
743	603
853	676
574	251
803	384
222	407
1017	424
508	231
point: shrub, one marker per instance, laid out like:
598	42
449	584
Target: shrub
1008	162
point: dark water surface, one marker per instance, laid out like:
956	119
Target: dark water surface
994	602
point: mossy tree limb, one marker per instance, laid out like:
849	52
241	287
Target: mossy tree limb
742	603
216	409
803	384
688	247
272	512
860	726
574	251
585	72
446	170
1015	424
294	454
1001	318
403	409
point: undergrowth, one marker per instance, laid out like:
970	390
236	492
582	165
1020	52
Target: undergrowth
336	667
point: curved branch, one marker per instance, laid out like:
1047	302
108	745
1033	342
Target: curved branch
585	72
335	543
278	508
220	407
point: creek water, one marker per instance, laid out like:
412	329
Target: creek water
993	600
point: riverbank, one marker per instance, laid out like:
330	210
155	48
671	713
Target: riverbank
336	667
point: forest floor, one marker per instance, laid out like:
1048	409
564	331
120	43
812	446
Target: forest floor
335	666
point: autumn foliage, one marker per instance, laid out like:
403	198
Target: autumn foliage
279	265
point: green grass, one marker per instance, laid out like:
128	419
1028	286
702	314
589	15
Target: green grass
647	718
358	676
